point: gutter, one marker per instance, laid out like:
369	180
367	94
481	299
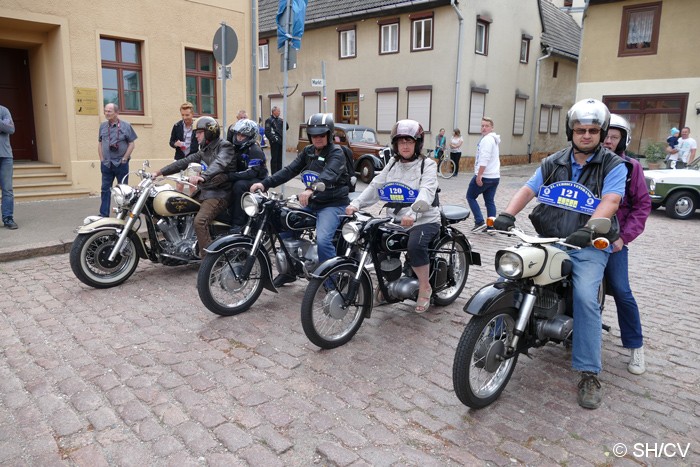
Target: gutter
254	62
535	103
460	18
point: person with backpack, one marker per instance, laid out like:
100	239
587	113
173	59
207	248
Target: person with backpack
415	176
321	161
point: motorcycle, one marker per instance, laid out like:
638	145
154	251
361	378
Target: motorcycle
238	267
106	251
529	307
339	296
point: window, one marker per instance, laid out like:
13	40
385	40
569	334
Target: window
347	43
554	120
312	103
387	108
639	32
525	48
421	33
545	111
122	82
555	70
389	38
419	103
519	116
568	3
200	77
477	105
263	55
482	41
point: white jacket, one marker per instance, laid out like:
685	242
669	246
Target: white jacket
487	155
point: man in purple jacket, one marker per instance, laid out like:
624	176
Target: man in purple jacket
632	215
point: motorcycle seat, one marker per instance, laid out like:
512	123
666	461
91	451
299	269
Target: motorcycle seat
454	213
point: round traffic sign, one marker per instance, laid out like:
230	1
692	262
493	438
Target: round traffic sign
231	45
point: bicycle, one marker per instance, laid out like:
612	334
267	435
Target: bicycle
446	166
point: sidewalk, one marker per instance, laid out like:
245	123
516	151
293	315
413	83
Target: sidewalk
48	227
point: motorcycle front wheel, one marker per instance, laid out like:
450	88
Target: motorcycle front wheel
326	322
89	259
219	284
478	375
459	266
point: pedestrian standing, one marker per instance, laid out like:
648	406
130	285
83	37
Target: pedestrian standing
7	128
274	126
456	148
487	174
182	135
116	143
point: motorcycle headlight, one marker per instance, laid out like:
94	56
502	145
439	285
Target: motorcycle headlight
351	231
250	204
509	265
122	194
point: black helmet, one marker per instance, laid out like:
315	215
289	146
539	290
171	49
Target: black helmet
247	128
588	112
211	128
410	129
620	123
320	124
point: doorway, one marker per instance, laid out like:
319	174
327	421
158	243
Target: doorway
347	107
16	95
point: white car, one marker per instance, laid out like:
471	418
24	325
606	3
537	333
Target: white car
678	190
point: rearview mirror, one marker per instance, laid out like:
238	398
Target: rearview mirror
420	206
319	186
599	225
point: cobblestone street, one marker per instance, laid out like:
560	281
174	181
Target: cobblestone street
143	374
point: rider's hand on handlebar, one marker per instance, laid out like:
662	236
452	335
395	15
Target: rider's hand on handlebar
580	238
195	179
257	186
155	174
350	210
407	221
304	197
504	222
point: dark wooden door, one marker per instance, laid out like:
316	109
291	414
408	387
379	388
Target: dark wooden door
16	95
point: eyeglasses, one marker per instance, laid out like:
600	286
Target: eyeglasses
406	141
590	131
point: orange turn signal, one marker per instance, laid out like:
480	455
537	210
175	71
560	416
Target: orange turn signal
490	221
601	243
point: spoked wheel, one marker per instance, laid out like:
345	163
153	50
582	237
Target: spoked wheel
326	322
89	259
458	267
478	374
219	284
446	168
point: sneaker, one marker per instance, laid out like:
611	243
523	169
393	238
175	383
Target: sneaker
479	227
636	365
10	223
282	279
590	394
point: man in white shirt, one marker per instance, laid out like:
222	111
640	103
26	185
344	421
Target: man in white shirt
487	174
686	149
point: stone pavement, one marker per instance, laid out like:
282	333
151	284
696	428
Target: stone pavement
143	374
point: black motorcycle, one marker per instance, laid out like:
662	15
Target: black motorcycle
339	296
237	267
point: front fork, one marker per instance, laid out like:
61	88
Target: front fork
355	282
524	314
250	260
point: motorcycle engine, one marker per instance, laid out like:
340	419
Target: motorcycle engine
558	328
179	236
302	250
403	288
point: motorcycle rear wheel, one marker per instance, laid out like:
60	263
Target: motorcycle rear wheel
477	375
219	287
323	318
88	259
460	266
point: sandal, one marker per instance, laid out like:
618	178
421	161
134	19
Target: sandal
378	297
423	302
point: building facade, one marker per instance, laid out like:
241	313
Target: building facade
61	61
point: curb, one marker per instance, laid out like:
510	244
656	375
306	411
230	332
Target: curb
33	251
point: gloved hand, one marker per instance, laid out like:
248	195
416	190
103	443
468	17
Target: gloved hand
581	237
504	222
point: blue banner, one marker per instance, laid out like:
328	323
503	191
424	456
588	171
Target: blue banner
298	12
569	195
396	192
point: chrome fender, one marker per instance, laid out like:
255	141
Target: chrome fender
116	225
497	295
222	244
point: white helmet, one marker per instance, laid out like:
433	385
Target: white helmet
588	112
620	123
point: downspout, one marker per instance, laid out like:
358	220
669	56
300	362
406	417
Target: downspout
459	63
535	103
254	62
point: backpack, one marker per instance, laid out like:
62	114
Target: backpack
350	166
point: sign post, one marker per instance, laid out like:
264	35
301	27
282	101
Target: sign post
225	48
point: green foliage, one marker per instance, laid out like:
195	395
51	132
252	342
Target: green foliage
655	152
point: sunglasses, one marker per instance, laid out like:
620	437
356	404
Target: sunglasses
590	131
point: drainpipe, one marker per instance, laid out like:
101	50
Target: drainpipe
534	108
459	63
254	62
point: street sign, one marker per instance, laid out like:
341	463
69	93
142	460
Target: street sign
231	45
218	72
317	82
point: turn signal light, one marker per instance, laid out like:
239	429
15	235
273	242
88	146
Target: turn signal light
490	221
601	243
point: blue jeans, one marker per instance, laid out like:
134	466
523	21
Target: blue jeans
109	173
488	190
588	269
627	309
8	197
327	222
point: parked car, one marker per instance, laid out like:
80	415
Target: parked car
367	151
677	190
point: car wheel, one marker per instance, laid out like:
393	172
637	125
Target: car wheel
366	172
681	205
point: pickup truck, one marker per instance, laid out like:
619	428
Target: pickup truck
370	156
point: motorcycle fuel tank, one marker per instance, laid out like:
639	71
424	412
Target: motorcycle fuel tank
174	203
556	267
